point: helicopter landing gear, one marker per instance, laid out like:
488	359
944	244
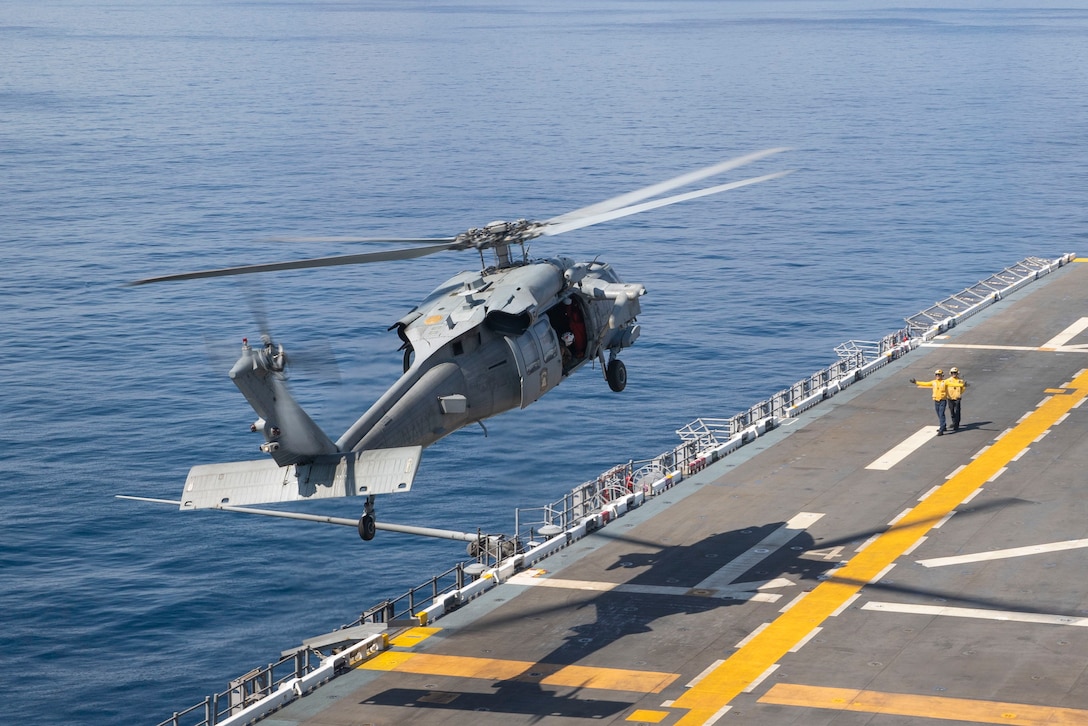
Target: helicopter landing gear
616	375
368	525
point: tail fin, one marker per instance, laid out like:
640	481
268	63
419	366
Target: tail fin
291	436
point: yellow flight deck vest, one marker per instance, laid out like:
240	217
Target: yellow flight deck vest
955	388
939	386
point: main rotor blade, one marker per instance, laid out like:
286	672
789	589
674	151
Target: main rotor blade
361	258
364	240
554	229
661	187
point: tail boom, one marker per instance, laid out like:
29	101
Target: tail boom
291	436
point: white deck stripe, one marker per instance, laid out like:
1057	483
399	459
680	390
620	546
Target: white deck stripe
804	641
760	678
971	496
719	584
902	450
746	561
1040	349
706	672
1039	549
744	591
714	717
1066	335
980	613
744	641
979	347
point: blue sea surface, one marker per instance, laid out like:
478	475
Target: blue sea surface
933	147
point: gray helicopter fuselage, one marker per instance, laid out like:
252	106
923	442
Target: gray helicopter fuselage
484	343
480	344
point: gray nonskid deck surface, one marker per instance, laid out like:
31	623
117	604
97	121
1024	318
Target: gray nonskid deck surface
756	592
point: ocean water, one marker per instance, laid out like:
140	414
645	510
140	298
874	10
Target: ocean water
933	147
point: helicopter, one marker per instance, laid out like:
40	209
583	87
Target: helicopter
481	343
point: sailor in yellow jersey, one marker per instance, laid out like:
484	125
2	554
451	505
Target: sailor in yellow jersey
955	386
940	396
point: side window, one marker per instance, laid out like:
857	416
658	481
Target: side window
530	353
549	343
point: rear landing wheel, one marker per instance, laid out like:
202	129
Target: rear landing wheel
616	375
367	527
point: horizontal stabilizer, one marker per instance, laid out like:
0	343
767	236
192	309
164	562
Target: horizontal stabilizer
241	483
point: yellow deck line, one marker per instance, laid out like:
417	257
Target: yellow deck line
902	704
413	637
766	648
548	674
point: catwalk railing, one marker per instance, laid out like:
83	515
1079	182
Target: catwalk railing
540	531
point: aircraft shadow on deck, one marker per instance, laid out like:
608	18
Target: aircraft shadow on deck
524	699
618	614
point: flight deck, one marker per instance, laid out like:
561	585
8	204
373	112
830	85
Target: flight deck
848	567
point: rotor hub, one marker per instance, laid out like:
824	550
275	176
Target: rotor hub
498	234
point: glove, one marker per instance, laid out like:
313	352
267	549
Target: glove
913	380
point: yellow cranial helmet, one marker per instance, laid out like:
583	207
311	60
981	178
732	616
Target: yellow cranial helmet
953	369
938	372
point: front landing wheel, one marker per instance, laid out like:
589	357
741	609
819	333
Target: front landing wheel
616	375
